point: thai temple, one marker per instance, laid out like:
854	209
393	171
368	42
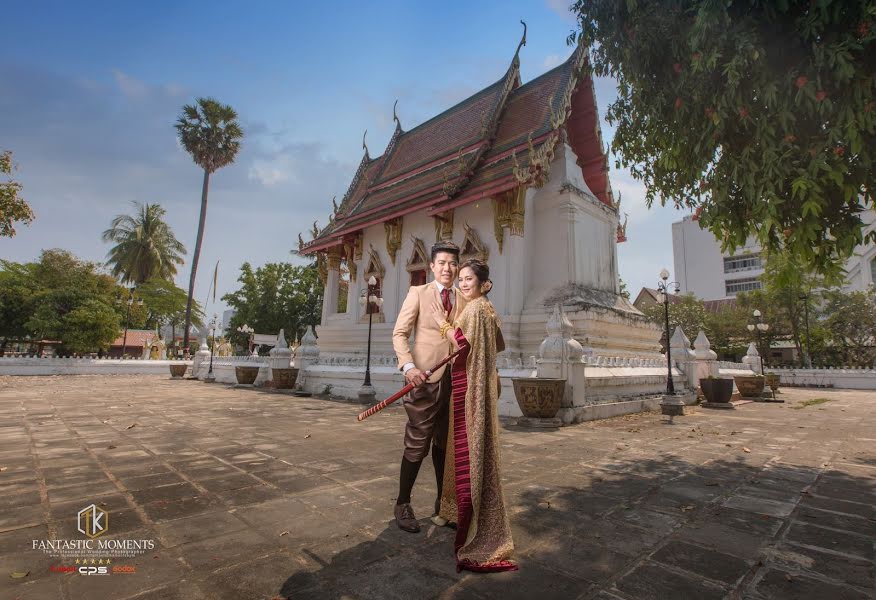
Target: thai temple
517	175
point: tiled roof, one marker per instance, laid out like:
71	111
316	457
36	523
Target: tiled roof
473	148
136	338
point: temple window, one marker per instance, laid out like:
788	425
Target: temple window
418	263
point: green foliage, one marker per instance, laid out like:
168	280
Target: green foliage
60	297
850	323
13	207
145	246
90	325
165	304
622	288
759	113
209	131
686	312
273	297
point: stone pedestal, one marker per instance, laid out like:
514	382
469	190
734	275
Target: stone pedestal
306	354
203	354
539	423
367	395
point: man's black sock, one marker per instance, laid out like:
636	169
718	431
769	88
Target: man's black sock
438	455
406	480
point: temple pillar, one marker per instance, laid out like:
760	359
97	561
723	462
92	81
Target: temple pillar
330	295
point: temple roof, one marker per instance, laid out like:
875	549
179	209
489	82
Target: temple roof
497	139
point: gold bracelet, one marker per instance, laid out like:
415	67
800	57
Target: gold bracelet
445	328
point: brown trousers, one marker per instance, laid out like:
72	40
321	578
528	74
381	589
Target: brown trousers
428	408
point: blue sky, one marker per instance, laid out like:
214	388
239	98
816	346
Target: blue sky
91	90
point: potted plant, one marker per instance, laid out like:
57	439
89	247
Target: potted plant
539	397
717	390
178	370
772	380
246	375
284	378
750	386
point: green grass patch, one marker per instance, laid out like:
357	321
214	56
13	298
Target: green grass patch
812	402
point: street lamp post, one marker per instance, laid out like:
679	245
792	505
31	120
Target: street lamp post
663	287
759	326
807	357
371	300
213	323
128	319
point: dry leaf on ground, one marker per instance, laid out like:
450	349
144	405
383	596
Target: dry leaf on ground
744	449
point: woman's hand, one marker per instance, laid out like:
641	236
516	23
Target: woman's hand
438	313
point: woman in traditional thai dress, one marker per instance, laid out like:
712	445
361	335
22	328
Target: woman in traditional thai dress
472	490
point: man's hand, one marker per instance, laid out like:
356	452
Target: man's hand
415	376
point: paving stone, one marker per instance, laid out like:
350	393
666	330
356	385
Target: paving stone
702	561
779	585
588	503
20	540
198	527
842	568
831	539
651	581
834	520
723	538
868	511
760	506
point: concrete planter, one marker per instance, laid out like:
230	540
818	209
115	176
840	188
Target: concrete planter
178	371
717	390
539	398
750	386
246	375
773	381
284	379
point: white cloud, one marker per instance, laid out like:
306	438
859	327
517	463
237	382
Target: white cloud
130	87
561	7
552	61
270	172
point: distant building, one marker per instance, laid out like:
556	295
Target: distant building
133	344
703	270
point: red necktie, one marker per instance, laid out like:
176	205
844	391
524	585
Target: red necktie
445	301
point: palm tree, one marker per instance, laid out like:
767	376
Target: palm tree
209	132
145	246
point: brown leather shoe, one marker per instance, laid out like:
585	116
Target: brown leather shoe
404	516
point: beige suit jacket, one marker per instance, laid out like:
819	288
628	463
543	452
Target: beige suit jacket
415	317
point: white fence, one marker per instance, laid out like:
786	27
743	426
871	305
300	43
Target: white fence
16	365
851	379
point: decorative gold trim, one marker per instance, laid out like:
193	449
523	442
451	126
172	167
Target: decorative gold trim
357	246
375	265
393	237
518	210
622	230
322	267
419	259
472	246
444	225
351	263
334	258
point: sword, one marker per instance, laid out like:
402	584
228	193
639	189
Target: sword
381	405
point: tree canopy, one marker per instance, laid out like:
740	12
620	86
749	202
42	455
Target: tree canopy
273	297
758	113
13	208
59	297
145	246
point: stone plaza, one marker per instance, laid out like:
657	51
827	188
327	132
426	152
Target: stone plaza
248	493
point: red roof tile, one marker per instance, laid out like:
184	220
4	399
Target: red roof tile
466	151
136	338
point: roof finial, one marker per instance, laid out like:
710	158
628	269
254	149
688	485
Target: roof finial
334	205
364	145
394	115
522	40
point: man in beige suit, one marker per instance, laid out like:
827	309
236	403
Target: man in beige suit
428	403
